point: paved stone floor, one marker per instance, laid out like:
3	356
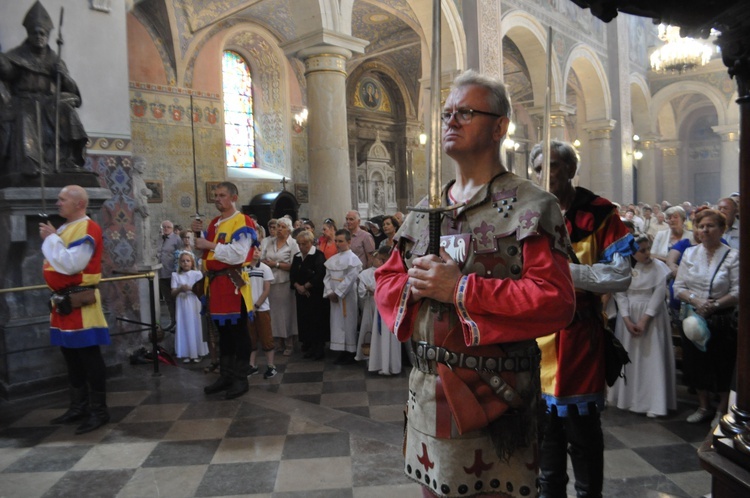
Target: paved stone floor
315	430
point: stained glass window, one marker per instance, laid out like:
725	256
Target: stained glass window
238	111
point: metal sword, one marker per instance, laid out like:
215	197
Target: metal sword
57	93
195	167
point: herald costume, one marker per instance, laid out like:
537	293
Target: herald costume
73	267
474	389
572	370
77	244
230	298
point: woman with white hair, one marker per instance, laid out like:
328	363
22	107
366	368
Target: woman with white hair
665	239
277	254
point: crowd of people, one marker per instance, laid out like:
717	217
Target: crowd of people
308	289
685	283
507	324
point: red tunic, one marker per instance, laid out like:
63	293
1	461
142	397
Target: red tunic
462	438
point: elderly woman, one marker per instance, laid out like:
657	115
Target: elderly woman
326	242
277	254
306	276
665	239
708	280
390	227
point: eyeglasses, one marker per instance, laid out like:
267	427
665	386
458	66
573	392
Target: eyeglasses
328	221
464	116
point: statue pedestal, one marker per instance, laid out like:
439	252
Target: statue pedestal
29	364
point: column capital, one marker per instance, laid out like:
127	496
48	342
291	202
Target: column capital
649	141
728	133
557	110
669	147
324	42
600	129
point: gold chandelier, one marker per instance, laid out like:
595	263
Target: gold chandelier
678	54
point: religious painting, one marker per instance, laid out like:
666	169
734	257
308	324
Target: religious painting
301	192
370	93
157	187
210	187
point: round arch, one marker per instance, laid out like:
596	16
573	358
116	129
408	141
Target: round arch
590	71
662	117
531	39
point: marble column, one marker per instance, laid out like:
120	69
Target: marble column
650	181
603	181
325	55
730	158
670	160
558	114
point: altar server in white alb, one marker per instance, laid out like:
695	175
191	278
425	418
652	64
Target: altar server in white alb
340	287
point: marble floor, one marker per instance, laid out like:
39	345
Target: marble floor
315	430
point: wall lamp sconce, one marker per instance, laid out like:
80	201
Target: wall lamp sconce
576	143
423	138
637	154
509	143
300	119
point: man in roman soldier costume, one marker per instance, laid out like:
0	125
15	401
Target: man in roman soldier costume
72	269
472	314
30	72
227	247
573	358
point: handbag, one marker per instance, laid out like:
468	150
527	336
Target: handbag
65	301
366	345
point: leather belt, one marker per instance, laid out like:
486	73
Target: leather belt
425	354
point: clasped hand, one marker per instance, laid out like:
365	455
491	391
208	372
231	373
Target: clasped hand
434	277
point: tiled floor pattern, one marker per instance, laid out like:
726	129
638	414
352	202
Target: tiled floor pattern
315	430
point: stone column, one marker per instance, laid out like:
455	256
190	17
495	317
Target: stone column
671	171
558	114
730	158
325	55
650	181
603	182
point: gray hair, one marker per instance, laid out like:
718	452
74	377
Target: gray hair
498	100
676	210
284	221
565	152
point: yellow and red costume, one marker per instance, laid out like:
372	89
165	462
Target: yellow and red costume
462	438
239	230
85	326
573	358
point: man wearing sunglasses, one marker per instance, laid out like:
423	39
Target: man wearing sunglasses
472	314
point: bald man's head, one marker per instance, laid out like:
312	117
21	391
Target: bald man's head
72	202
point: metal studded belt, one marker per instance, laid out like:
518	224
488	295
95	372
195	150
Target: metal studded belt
513	363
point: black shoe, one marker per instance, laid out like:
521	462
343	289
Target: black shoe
308	355
226	375
340	359
98	413
237	388
349	359
78	409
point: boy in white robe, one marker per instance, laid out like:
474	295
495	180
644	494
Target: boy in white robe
340	287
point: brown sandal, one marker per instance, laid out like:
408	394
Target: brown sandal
212	368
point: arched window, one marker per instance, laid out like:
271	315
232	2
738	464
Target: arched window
238	111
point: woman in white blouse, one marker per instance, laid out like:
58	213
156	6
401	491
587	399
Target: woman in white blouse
665	239
277	253
708	279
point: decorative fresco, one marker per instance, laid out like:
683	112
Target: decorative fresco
163	134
